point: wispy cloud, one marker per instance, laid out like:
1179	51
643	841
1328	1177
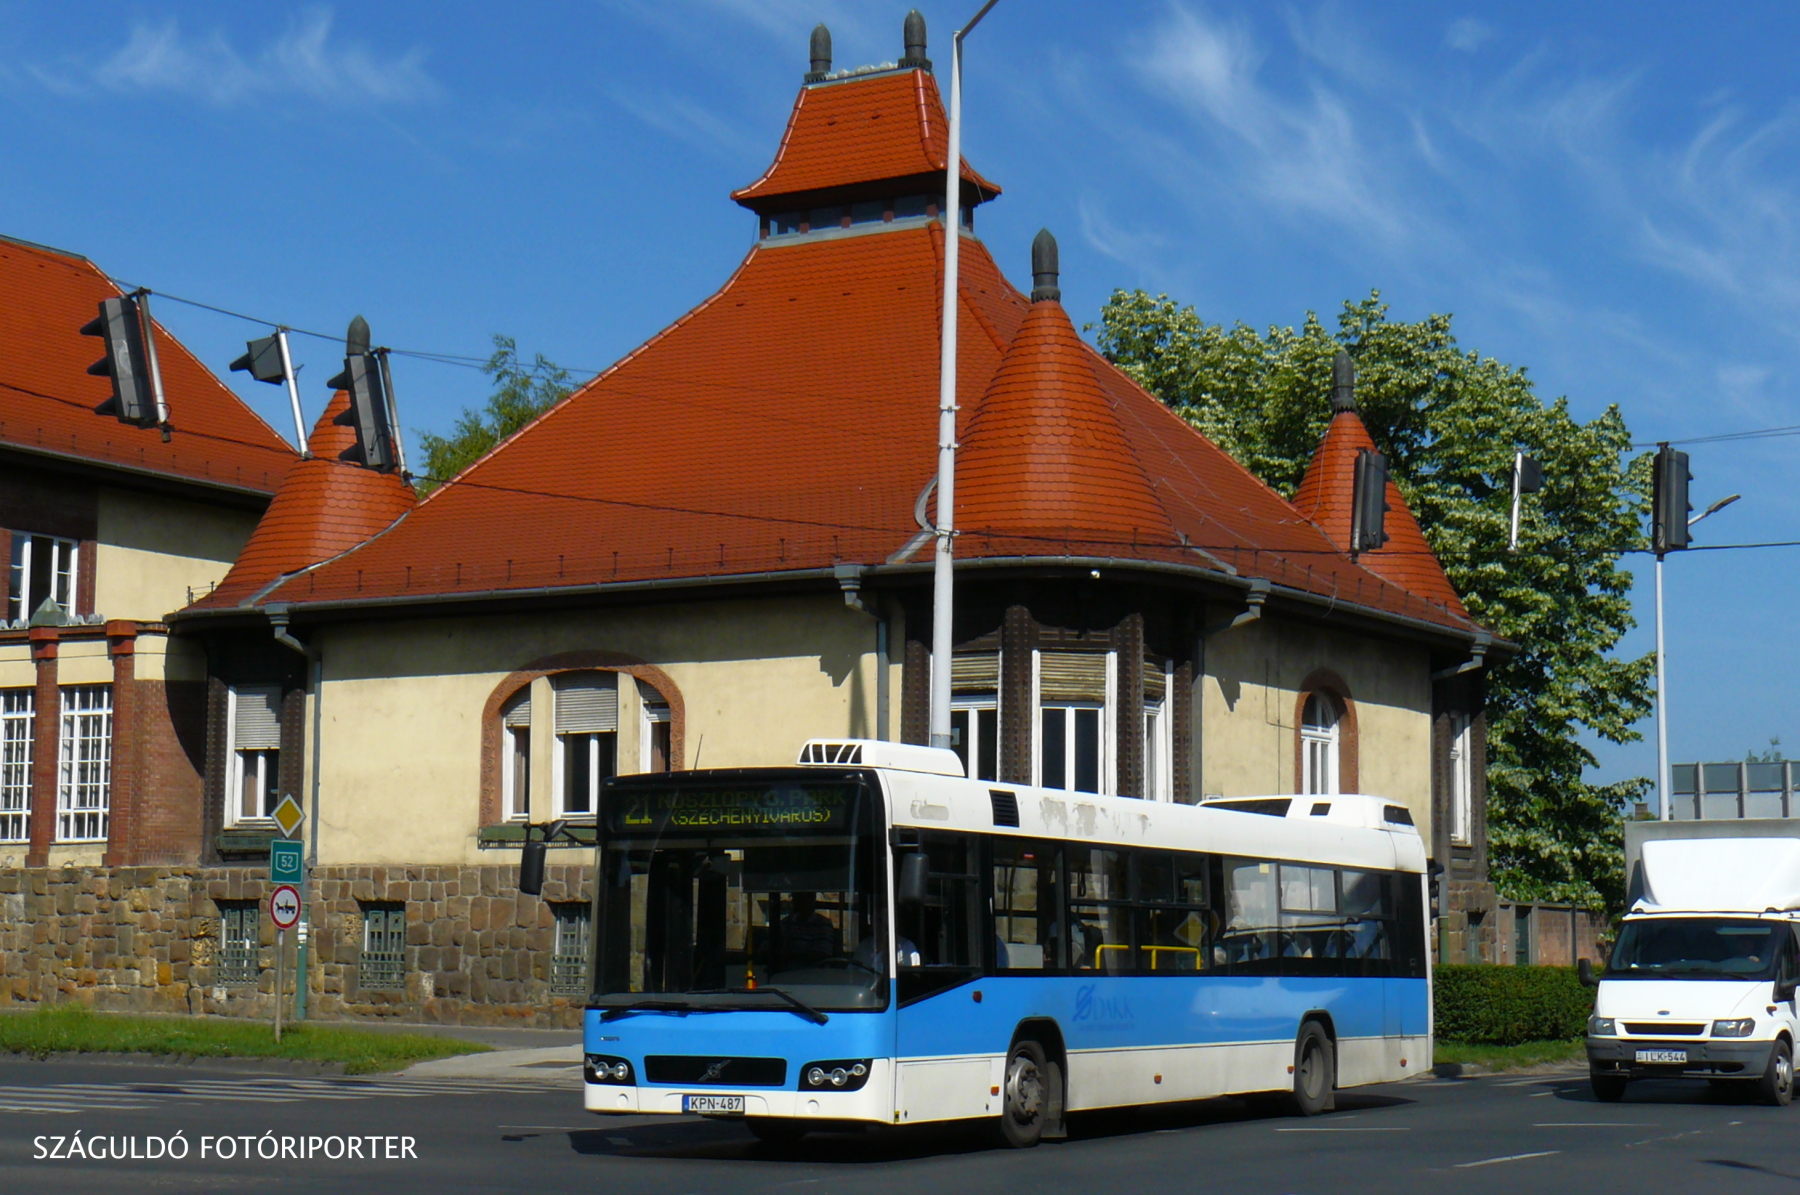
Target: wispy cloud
304	60
692	122
1468	34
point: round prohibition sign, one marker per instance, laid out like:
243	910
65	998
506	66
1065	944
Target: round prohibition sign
284	906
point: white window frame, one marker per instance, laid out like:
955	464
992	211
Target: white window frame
515	743
1320	748
84	764
978	708
1462	779
595	780
1109	727
653	711
234	792
18	730
24	603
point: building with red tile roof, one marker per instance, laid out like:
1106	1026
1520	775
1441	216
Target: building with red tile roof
717	549
107	527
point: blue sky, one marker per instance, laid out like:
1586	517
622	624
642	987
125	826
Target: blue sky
1604	194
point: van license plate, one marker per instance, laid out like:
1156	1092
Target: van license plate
1663	1056
713	1105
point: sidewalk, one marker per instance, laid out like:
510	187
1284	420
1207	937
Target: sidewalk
553	1066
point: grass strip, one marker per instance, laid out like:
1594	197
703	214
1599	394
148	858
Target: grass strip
1509	1058
72	1029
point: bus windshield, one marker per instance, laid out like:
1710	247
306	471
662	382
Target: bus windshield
729	893
1697	948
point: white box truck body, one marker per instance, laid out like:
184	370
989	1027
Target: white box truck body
1701	982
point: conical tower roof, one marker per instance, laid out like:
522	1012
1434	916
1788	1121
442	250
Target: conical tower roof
1325	497
325	506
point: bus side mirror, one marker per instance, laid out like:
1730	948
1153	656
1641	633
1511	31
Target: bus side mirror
1584	971
911	887
531	868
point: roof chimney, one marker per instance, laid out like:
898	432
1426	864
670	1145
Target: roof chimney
820	53
1343	383
913	34
356	341
1044	272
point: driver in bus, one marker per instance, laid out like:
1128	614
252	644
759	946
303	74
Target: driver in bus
807	936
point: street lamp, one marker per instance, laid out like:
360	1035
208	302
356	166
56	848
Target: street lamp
943	591
1662	689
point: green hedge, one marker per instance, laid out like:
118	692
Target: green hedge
1506	1006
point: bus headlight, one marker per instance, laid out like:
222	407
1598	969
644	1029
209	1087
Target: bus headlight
846	1075
1743	1027
1602	1027
603	1068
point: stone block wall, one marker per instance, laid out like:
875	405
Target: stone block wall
146	939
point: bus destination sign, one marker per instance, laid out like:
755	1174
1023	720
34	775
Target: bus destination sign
692	810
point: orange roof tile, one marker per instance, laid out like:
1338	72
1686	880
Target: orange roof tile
1325	497
887	127
47	397
324	507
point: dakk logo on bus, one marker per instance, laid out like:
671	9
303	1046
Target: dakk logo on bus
1097	1009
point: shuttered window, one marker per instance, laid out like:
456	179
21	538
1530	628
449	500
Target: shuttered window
1155	680
256	725
1072	676
587	703
518	710
977	672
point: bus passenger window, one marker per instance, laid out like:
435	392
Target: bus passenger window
1175	929
1025	904
1252	933
1099	915
1311	927
946	928
1369	914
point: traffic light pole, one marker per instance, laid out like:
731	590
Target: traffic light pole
293	389
1662	706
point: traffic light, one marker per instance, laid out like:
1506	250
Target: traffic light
1368	502
134	396
1669	505
263	361
366	381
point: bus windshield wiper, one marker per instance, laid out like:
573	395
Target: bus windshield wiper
613	1014
797	1006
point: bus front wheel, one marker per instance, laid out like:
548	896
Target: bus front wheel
1025	1095
1315	1070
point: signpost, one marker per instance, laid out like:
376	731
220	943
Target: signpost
286	873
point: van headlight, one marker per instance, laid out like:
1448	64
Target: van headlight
846	1075
1742	1027
1602	1027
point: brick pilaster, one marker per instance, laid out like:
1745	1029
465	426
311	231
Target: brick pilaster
45	746
122	821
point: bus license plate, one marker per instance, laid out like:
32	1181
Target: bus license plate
1664	1056
713	1105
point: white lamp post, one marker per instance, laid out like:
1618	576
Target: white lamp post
943	589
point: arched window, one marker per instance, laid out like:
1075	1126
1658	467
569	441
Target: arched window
1319	735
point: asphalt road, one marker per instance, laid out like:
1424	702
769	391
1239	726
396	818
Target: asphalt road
1487	1134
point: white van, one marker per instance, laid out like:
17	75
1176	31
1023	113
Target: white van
1701	983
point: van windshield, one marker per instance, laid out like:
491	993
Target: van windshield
1698	948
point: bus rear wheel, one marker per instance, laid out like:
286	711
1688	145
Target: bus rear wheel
1315	1071
1025	1095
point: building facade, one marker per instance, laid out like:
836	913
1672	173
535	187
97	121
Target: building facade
717	550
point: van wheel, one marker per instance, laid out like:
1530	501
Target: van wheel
1608	1089
1777	1084
774	1130
1315	1071
1024	1096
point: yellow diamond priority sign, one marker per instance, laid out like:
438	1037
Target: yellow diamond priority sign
287	815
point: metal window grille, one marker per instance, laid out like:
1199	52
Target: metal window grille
239	938
382	966
17	725
84	772
568	965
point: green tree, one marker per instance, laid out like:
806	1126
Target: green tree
1449	422
521	393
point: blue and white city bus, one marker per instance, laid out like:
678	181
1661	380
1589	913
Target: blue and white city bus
870	937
